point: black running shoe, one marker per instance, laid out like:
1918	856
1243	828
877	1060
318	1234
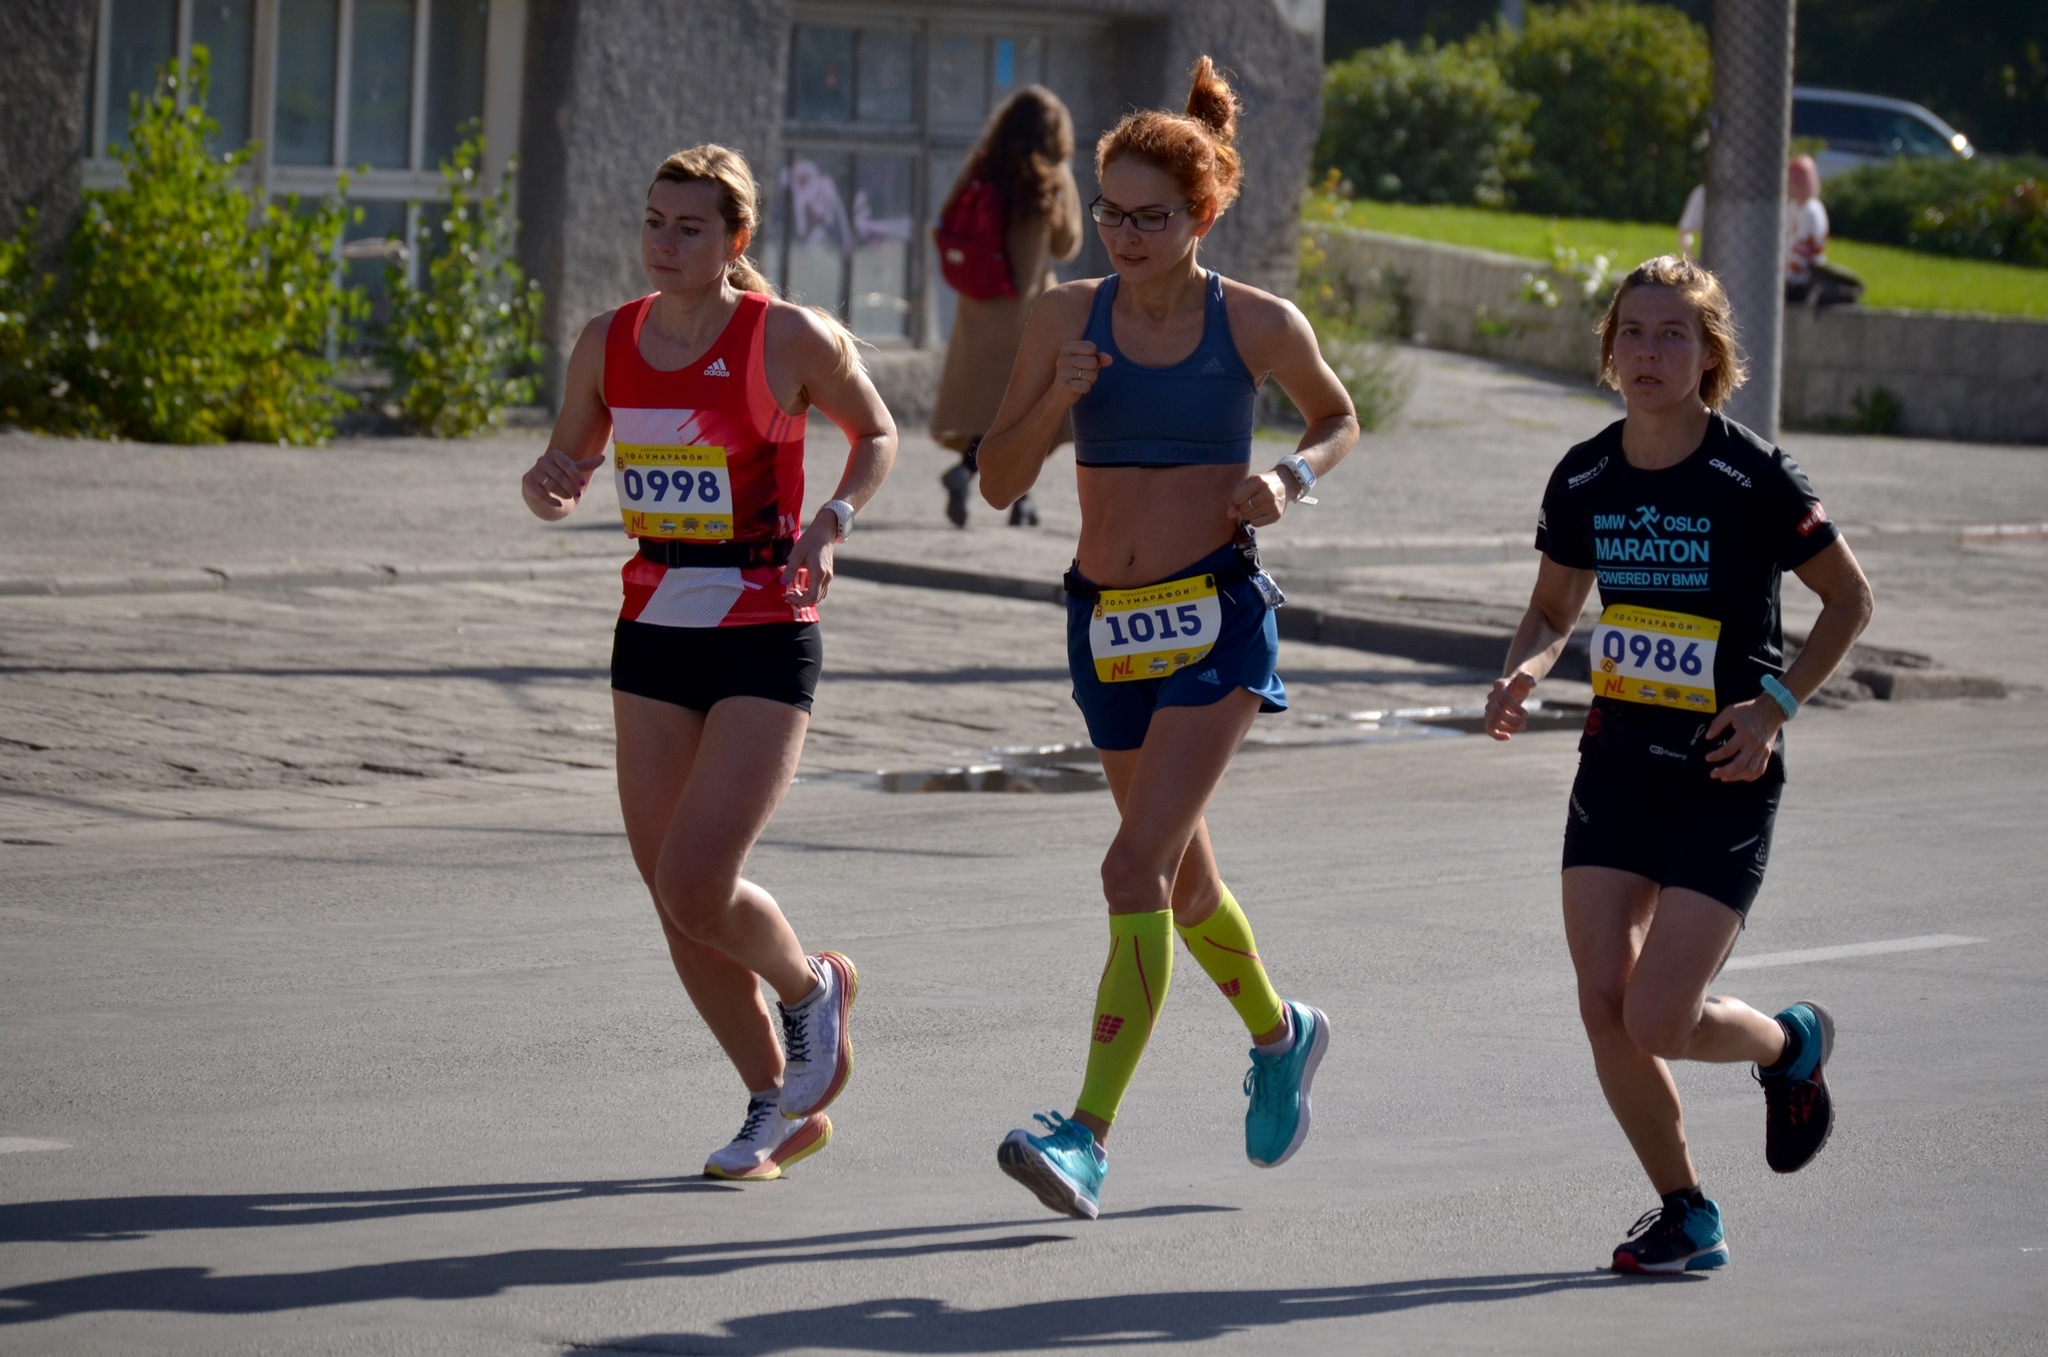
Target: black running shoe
1676	1237
1798	1111
956	481
1024	514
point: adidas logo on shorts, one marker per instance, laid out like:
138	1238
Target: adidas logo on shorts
1208	676
717	369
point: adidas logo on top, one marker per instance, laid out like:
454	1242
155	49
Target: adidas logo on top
1213	367
717	369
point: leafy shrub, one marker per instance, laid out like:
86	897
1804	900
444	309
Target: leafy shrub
1622	93
187	313
1431	125
1973	209
1352	324
460	346
24	298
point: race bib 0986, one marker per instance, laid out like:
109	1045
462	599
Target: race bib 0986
1151	632
1657	658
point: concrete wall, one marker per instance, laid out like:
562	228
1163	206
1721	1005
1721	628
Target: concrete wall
42	111
1983	378
612	87
1969	377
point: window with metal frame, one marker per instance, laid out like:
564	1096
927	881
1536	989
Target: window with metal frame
379	90
878	119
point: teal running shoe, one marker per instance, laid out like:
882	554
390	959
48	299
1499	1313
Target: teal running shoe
1676	1237
1799	1112
1063	1169
1277	1121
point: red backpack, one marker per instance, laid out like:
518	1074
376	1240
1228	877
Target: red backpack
970	238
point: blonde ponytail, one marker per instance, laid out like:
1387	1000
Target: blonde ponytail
739	203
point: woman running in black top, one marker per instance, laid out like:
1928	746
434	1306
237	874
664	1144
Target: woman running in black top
1686	521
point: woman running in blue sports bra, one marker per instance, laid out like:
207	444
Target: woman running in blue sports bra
1170	632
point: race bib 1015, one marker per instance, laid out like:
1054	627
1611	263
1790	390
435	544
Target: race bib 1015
1149	633
1658	658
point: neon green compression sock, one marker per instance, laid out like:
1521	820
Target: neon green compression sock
1127	1003
1222	946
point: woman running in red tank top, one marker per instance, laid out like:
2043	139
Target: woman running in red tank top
703	388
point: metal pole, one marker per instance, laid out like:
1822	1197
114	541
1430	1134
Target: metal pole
1745	226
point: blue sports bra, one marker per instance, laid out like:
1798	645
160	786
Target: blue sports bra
1197	412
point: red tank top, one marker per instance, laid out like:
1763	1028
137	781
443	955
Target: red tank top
703	454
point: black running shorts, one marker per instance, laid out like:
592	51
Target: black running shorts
1676	828
696	667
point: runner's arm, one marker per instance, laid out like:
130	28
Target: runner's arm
1554	608
1845	608
1055	367
1846	604
554	484
1278	336
841	392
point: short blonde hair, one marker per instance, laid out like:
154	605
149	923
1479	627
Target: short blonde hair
1717	323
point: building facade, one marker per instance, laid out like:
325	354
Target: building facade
855	115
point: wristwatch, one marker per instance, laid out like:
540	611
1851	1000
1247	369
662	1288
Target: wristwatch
843	512
1304	477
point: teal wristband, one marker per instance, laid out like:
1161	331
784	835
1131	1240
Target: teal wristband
1781	695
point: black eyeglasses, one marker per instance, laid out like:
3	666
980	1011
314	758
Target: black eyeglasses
1145	218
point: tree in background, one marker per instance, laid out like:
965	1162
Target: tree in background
1984	68
1428	125
1349	25
1622	95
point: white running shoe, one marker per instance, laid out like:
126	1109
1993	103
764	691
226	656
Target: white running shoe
768	1143
817	1049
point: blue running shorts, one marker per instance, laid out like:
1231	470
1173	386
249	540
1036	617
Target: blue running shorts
1245	653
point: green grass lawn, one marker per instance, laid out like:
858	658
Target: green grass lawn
1893	277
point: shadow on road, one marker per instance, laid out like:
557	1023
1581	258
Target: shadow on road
915	1325
196	1290
116	1218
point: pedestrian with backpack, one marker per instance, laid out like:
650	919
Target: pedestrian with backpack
1013	211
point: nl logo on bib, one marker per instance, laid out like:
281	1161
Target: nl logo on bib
671	486
1656	658
1152	632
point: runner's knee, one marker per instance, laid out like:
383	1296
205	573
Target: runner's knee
1660	1027
1133	881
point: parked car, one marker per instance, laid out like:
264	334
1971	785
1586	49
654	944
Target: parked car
1864	129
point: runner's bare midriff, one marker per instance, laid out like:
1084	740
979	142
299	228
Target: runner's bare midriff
1139	524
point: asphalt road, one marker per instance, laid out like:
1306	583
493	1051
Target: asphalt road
414	1078
333	1020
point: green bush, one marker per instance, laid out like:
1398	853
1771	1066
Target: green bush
461	346
1352	326
24	302
1972	209
1431	125
1622	93
186	313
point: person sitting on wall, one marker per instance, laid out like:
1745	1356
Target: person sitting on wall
1808	275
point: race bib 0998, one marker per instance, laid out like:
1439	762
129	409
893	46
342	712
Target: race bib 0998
673	493
1151	632
1657	658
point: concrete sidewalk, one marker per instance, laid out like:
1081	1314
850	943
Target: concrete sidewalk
1428	522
